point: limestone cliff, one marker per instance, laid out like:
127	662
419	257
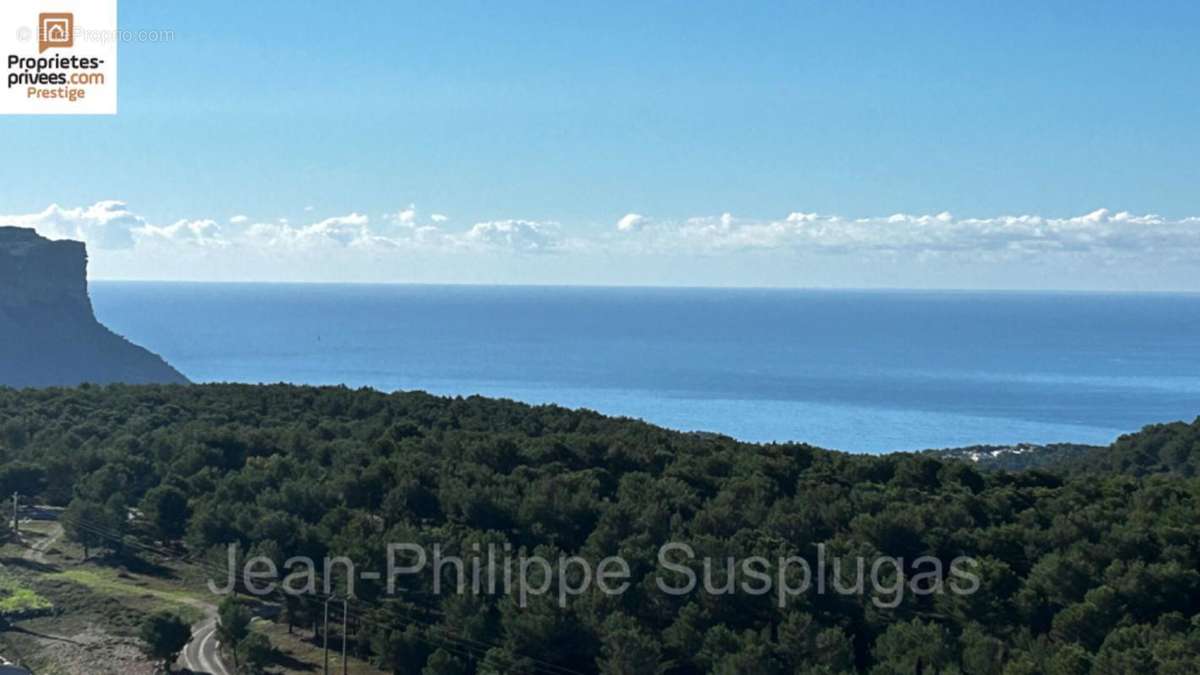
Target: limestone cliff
48	333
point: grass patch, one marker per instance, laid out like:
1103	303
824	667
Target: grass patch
78	607
137	590
21	600
17	598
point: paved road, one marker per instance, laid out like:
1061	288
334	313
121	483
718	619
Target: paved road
200	655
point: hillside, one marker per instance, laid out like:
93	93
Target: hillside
1172	448
1157	449
1088	574
1019	457
48	332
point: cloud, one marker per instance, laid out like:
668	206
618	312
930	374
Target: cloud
351	229
410	220
631	222
1093	239
1098	232
341	229
406	216
106	224
524	236
196	232
801	217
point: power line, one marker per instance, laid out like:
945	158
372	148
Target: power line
473	648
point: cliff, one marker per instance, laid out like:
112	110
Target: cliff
49	335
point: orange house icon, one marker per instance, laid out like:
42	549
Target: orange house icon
56	31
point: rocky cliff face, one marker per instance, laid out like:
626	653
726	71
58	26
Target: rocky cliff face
48	333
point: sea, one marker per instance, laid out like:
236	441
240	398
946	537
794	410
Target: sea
861	371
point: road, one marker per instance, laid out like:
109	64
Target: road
37	552
200	655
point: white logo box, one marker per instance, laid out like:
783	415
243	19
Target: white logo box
44	81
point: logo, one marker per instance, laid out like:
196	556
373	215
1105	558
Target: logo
60	62
56	31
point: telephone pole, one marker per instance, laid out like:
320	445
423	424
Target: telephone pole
345	612
16	520
326	635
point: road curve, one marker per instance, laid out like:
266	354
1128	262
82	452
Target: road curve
201	655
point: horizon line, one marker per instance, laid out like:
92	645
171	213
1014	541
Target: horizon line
698	287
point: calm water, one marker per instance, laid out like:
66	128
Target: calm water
861	371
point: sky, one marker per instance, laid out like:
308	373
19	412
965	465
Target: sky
1028	145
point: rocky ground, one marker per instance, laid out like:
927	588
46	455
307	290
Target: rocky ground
91	652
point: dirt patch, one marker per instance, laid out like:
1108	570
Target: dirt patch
92	651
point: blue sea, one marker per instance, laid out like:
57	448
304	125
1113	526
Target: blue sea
864	371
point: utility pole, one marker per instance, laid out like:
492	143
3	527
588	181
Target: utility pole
326	636
16	521
345	611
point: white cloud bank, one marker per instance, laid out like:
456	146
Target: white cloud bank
1100	232
111	225
107	224
396	243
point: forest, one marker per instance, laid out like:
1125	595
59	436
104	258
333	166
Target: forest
1089	565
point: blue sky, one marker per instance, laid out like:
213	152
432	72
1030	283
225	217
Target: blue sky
548	123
